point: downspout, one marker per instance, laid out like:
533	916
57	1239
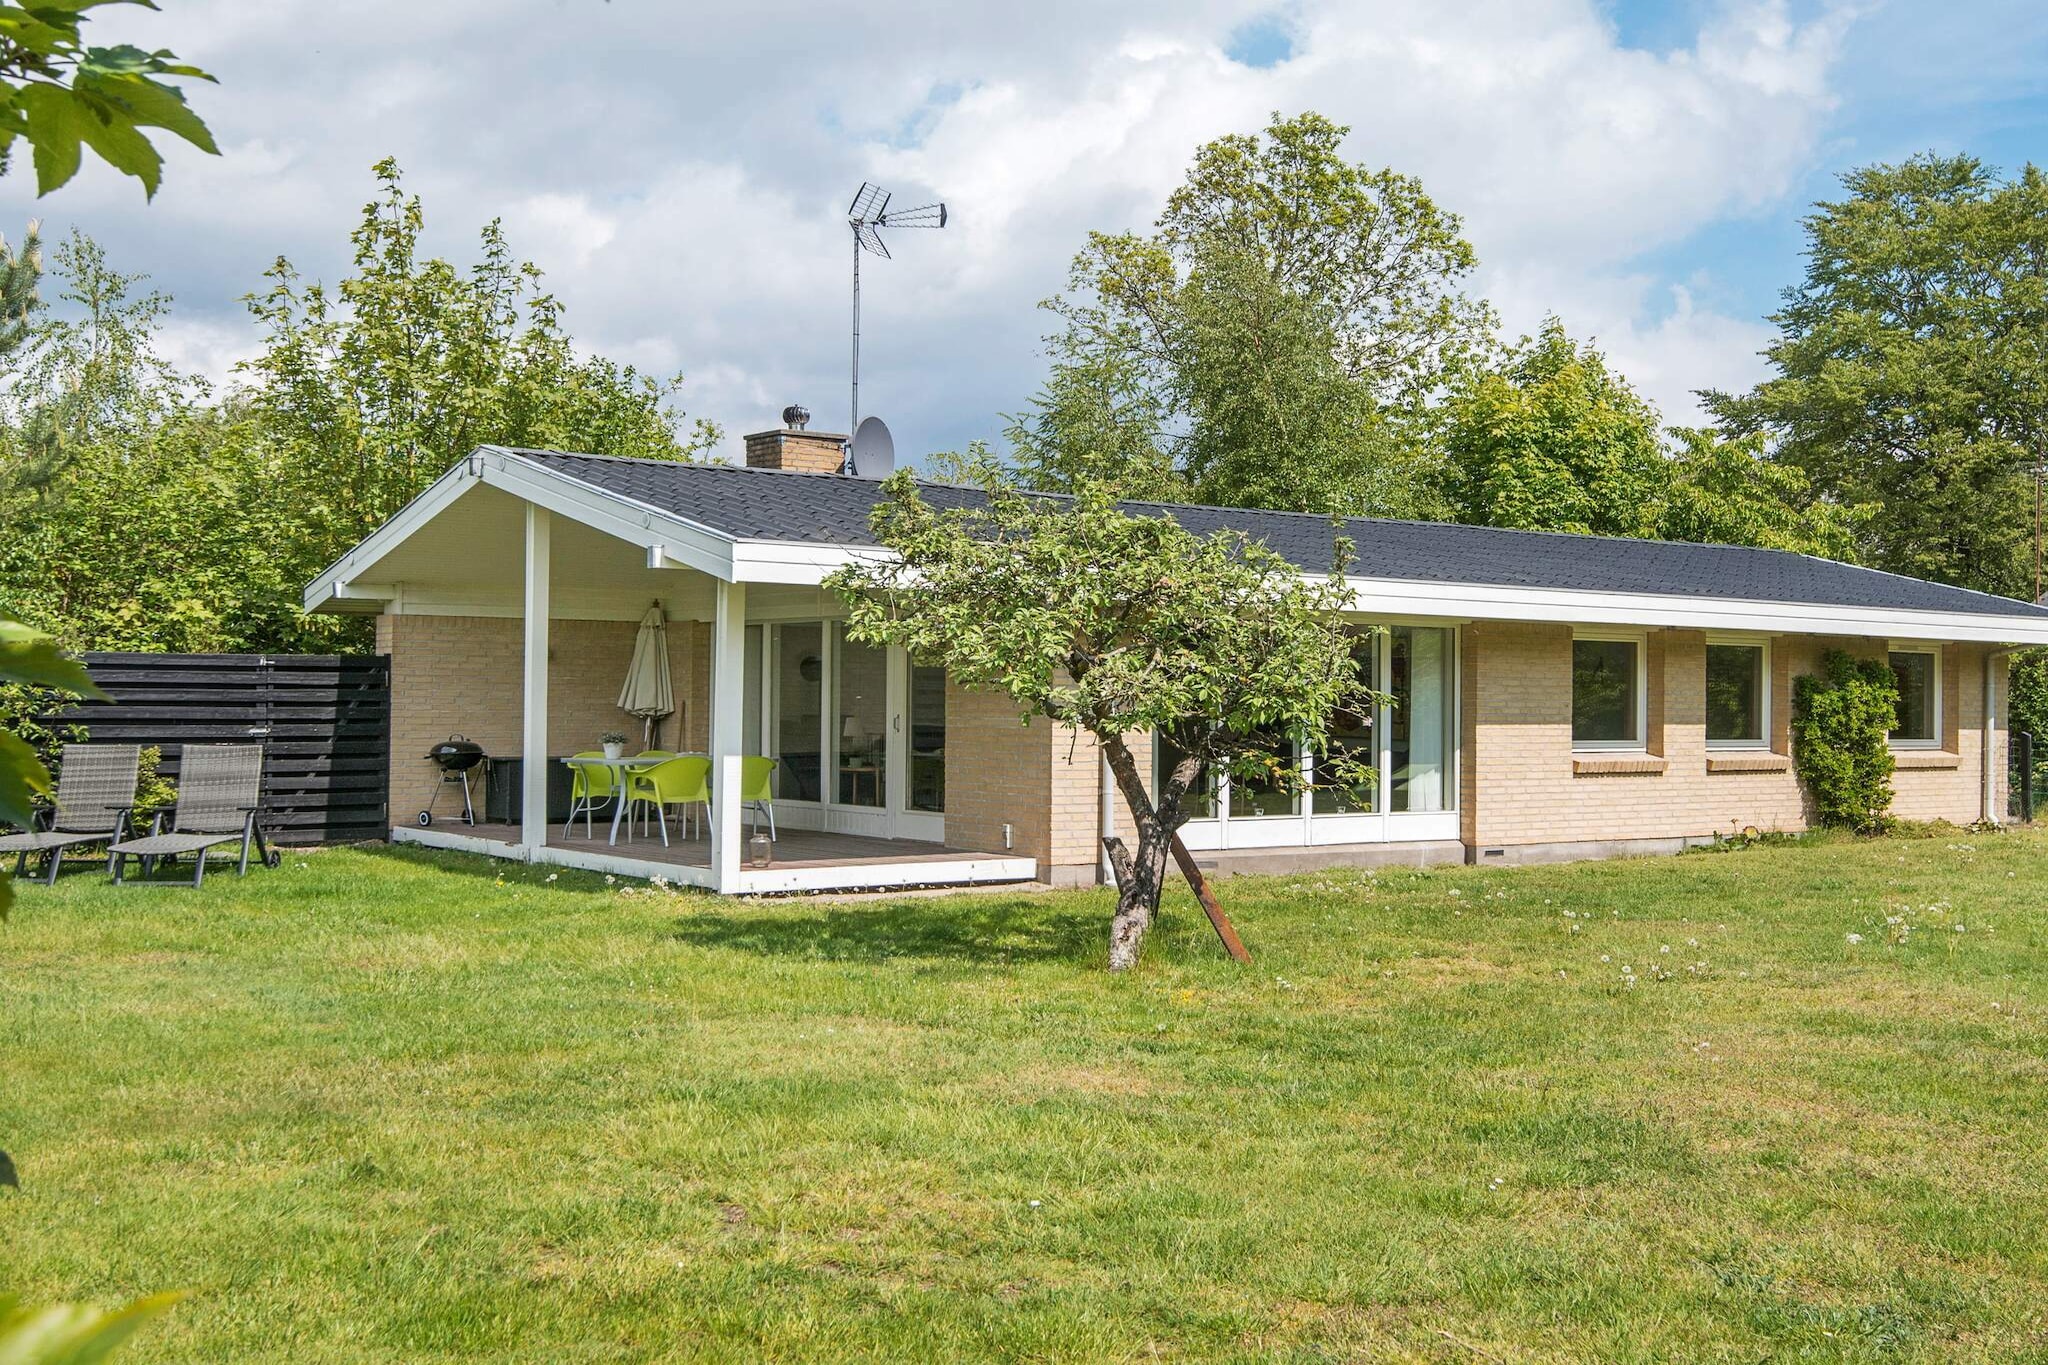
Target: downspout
1105	819
1990	733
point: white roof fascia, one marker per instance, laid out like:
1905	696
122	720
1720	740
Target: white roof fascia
679	542
776	561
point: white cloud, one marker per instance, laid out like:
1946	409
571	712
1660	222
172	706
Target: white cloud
681	175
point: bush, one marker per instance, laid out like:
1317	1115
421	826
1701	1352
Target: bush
1841	729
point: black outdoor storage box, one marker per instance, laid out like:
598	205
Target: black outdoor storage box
502	779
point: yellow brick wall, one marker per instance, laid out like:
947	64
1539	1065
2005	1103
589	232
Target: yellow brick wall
998	772
464	674
1518	782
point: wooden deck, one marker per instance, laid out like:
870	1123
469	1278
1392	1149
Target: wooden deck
795	847
805	860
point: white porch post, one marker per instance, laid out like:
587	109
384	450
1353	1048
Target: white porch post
728	706
533	751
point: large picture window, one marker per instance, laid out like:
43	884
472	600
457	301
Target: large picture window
1607	693
1738	695
1918	673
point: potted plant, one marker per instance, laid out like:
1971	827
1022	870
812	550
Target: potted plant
614	742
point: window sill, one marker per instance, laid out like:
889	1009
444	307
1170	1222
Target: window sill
1617	765
1739	761
1907	759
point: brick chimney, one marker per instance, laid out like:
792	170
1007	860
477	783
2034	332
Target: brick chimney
790	446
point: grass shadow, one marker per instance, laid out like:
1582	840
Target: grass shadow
981	928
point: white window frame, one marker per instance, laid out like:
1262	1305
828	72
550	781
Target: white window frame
1641	743
1934	711
1763	702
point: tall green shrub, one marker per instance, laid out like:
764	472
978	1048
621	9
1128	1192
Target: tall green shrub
1841	726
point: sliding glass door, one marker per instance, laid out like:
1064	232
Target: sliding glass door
1407	749
858	734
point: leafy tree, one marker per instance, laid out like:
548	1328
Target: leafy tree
61	96
1841	725
1912	366
90	374
21	272
371	390
1116	624
1549	439
1727	491
1266	342
29	658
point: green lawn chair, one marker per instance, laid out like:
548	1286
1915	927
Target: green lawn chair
675	782
590	786
757	790
95	794
219	789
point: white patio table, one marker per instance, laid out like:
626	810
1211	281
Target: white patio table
622	768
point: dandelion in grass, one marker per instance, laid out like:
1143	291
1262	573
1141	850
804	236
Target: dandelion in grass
1854	939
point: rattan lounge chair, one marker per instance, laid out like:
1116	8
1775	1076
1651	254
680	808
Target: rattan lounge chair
95	793
219	786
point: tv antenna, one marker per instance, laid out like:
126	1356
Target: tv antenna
867	215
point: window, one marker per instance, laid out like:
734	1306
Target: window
796	704
860	733
1918	672
1420	737
927	738
1738	695
1607	693
1351	741
1201	798
1271	791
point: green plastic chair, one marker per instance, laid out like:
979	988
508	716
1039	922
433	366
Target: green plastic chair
590	785
757	789
674	782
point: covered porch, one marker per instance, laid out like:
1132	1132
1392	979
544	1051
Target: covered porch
508	598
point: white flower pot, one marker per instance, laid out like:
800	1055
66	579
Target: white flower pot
614	750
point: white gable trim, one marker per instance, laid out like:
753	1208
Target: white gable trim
670	541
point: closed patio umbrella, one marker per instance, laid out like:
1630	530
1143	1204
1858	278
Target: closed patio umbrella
648	692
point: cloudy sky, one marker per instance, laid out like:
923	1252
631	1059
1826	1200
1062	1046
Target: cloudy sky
681	171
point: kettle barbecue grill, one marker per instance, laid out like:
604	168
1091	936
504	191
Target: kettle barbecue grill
454	756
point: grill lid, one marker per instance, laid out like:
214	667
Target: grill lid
457	752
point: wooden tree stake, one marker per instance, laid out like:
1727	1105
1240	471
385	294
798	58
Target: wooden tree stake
1199	884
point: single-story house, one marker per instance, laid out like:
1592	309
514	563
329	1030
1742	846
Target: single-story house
1555	696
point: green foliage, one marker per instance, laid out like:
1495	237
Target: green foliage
29	657
61	96
21	272
1266	343
71	1333
1549	439
372	390
1842	718
1726	491
146	512
1114	624
1912	366
154	793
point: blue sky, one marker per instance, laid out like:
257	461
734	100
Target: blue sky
680	170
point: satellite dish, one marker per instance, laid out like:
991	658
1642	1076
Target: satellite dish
874	450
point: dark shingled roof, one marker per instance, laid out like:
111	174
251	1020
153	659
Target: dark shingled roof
772	504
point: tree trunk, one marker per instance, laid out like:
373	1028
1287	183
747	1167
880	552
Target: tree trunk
1137	900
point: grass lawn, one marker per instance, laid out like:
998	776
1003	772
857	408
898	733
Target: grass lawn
384	1105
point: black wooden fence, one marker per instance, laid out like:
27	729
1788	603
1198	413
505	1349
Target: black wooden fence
323	720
